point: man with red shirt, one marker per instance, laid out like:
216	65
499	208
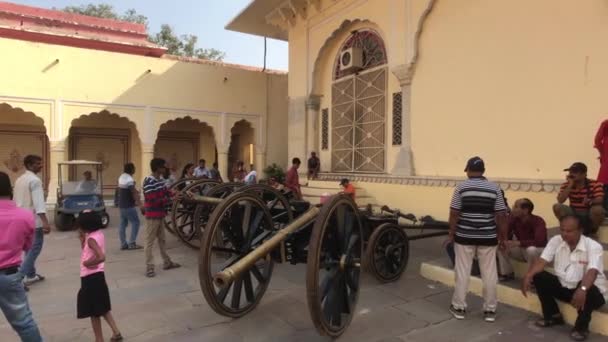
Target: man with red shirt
292	180
585	197
16	236
156	199
527	237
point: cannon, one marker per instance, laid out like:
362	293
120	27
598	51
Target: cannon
177	187
191	216
191	213
245	235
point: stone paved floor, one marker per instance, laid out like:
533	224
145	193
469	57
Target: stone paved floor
171	306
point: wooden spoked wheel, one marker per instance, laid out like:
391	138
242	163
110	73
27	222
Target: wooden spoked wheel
334	266
182	212
177	187
236	227
275	200
191	234
387	252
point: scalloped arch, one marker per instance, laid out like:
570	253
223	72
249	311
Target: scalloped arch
39	120
188	118
345	27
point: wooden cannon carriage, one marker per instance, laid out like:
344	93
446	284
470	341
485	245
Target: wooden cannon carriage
248	231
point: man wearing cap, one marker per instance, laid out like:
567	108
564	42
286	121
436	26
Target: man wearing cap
349	189
477	225
585	197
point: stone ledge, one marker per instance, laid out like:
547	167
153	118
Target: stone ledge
526	185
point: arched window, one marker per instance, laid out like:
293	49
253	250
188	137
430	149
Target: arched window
359	104
371	47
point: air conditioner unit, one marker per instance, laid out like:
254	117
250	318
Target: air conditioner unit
351	59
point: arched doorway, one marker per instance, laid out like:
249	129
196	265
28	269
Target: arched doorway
359	105
107	138
22	133
241	148
185	140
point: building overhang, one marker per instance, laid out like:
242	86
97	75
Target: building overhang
60	28
271	18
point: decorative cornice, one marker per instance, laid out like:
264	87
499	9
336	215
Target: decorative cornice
525	185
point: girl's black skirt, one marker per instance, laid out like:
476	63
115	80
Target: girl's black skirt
94	296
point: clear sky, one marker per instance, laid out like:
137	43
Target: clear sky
204	18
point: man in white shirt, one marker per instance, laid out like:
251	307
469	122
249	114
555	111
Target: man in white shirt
579	277
29	194
201	171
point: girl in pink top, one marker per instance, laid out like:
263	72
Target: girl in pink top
94	296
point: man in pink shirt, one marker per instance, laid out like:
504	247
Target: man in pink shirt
16	235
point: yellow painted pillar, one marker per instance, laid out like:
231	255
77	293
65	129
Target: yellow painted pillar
147	153
222	162
260	162
58	153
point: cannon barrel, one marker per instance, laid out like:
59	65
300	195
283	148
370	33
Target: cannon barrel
227	276
203	199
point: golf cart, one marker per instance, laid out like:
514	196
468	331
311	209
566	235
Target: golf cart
74	196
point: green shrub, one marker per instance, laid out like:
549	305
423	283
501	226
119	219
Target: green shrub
275	171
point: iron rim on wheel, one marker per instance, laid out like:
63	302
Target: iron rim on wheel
387	252
236	226
191	235
333	267
277	203
182	211
168	218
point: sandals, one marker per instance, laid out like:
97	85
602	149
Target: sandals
171	265
150	272
116	338
579	335
546	323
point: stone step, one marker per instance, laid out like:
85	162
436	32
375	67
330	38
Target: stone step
520	268
324	184
314	191
509	293
602	233
361	200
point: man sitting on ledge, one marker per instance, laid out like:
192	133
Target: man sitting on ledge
579	277
527	237
586	198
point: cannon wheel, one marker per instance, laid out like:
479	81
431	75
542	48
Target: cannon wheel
237	226
182	211
191	234
168	220
387	252
333	266
277	203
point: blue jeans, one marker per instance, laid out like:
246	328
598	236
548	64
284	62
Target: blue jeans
28	268
128	215
14	305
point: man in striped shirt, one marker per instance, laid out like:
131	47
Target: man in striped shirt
156	199
477	224
586	199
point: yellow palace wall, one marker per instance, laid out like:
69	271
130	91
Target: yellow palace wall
521	84
63	85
